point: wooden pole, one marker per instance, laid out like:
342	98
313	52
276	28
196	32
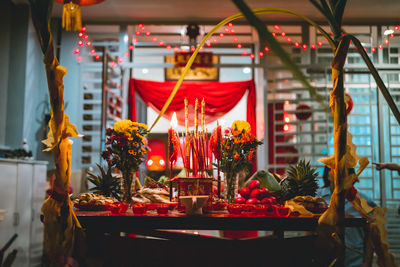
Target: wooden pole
338	107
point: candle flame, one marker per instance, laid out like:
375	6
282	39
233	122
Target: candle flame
174	121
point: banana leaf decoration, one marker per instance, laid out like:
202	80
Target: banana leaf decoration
63	234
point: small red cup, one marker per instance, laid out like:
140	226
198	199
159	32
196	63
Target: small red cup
119	208
173	205
234	209
283	211
260	209
162	208
248	207
270	211
123	207
114	209
151	206
139	209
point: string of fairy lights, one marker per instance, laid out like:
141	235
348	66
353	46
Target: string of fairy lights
145	35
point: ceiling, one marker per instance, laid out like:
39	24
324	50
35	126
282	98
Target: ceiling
212	11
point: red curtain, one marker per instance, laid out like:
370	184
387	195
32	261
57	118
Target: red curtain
220	98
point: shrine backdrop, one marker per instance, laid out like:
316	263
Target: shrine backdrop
220	98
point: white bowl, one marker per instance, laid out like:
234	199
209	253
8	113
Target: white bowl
194	204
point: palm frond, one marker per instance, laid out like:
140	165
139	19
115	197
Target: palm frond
274	45
326	11
339	10
41	14
381	85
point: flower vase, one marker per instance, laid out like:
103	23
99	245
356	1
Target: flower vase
231	186
127	179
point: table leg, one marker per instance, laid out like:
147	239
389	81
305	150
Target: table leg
279	233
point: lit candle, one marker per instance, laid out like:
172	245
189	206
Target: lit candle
203	120
196	116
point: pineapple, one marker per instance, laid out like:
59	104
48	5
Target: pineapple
301	180
105	184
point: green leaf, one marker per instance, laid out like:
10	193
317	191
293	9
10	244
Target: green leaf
339	10
41	14
381	85
326	11
103	174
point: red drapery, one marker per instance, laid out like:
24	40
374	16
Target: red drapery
220	98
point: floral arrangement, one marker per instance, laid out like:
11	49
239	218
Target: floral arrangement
126	147
239	147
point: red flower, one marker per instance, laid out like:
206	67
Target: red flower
227	131
106	154
109	131
236	156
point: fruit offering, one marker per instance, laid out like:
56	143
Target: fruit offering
301	180
255	195
151	195
263	179
259	201
93	202
316	205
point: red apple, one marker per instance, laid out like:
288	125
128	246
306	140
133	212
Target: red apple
265	193
240	200
273	200
245	192
254	184
266	200
256	193
253	201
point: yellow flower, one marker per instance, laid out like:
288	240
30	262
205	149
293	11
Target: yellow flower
131	152
241	125
130	139
143	125
123	126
